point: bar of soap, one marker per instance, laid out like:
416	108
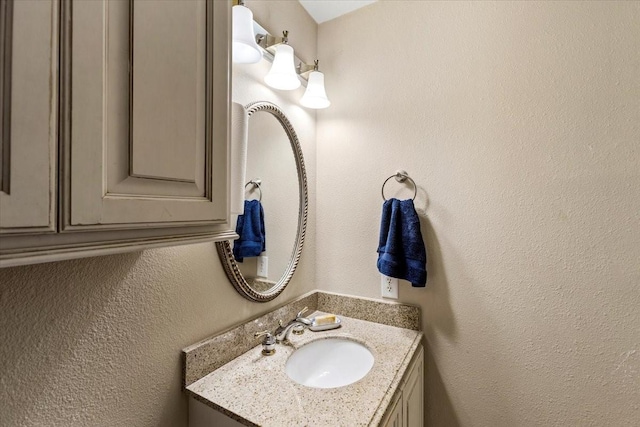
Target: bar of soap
325	320
324	323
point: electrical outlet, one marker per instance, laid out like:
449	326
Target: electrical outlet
389	287
263	266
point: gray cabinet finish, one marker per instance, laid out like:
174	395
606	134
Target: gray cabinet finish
28	116
141	128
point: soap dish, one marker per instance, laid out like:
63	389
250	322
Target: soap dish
323	326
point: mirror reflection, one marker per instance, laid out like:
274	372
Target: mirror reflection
272	185
261	262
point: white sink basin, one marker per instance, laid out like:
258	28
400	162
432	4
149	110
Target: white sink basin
329	363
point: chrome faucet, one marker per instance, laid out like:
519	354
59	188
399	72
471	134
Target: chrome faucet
283	331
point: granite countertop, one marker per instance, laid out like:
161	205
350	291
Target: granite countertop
254	389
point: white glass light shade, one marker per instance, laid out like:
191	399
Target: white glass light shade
283	74
315	95
245	50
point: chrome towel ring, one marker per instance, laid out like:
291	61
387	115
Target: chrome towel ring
401	176
256	183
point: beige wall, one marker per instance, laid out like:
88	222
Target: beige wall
96	342
520	123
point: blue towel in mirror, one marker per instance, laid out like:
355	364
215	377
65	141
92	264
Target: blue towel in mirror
401	252
250	229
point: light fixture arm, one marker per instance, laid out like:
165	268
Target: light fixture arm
304	69
266	41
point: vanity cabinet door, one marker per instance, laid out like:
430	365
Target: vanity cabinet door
146	142
395	417
407	409
201	415
28	105
413	394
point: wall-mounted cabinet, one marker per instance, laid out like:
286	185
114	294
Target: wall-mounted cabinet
114	126
28	116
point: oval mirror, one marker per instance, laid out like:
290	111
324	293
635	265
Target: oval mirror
275	208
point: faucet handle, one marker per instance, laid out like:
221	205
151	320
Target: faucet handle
303	311
268	343
260	334
300	313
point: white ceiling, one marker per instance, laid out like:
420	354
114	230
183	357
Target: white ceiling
326	10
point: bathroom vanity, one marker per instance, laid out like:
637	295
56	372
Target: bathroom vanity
255	390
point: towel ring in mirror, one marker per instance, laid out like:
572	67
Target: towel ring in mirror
224	248
256	183
401	176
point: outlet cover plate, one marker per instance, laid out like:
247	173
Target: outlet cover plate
389	287
263	266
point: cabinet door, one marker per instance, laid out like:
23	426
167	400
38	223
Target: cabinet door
147	111
413	394
394	419
28	100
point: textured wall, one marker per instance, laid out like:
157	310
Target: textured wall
520	123
96	342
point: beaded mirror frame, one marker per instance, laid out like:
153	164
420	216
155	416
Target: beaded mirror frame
225	251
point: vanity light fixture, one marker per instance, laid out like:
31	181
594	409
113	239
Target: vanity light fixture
282	74
245	50
315	96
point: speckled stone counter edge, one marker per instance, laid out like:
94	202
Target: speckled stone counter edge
204	357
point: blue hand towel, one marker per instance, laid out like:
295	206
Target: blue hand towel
401	252
250	229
